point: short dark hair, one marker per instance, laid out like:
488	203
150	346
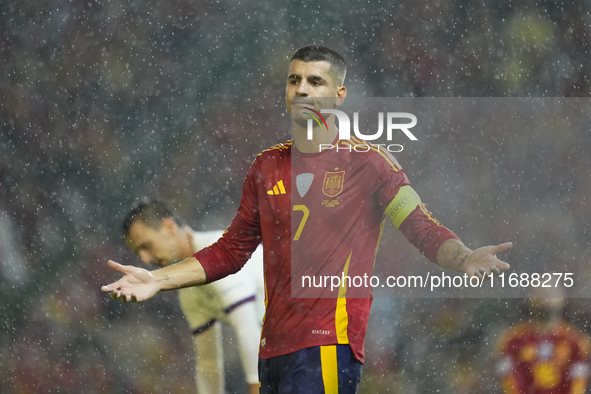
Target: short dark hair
321	53
150	212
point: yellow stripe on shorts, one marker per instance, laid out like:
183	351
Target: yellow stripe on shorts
330	370
402	205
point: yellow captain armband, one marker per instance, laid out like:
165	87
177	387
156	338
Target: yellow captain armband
402	205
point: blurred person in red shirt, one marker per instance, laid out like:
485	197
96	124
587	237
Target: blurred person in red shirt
544	354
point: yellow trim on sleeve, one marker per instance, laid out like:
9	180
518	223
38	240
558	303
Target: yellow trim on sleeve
578	386
509	384
330	370
402	205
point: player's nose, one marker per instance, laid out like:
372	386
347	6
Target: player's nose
303	89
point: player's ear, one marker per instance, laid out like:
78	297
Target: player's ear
169	224
341	94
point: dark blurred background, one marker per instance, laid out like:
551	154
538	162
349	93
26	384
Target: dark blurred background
105	102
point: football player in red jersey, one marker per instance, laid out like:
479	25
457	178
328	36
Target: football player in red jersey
545	354
314	345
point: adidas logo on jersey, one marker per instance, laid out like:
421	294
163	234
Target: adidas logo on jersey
277	189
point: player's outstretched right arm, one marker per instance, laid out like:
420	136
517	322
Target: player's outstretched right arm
139	285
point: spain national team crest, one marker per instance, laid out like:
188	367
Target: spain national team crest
333	183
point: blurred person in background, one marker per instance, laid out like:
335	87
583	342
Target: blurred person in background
544	354
153	232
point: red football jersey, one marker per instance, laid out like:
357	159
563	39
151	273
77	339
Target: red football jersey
536	361
318	214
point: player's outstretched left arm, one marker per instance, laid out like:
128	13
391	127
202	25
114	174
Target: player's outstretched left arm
455	255
139	285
